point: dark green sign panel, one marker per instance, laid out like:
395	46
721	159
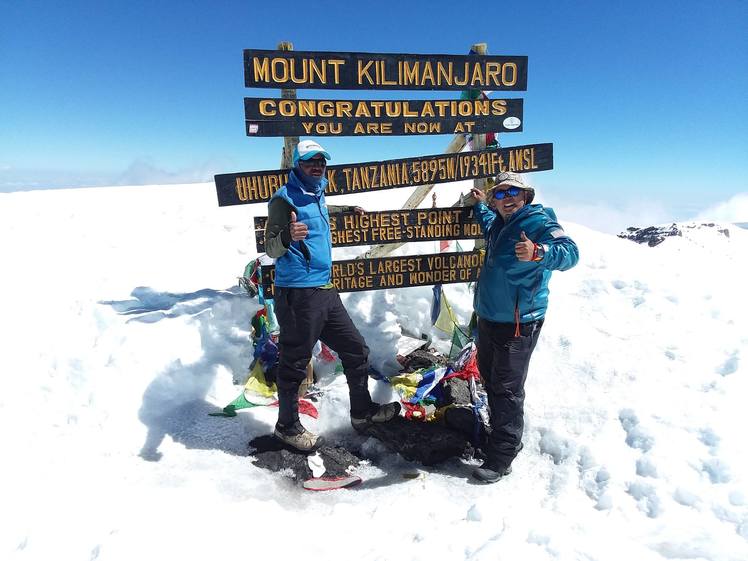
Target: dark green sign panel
368	117
382	71
353	275
394	226
259	186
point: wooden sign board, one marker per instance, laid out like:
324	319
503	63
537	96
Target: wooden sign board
368	117
394	226
353	275
382	71
259	186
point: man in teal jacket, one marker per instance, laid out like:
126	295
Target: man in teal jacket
307	305
524	244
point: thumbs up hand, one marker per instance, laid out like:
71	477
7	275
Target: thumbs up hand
478	195
524	248
298	230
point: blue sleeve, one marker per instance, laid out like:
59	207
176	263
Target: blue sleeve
562	253
484	215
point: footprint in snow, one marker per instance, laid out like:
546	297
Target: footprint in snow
729	366
717	470
636	436
594	480
646	498
710	439
645	467
557	447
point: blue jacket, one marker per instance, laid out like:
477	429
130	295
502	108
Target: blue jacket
506	283
308	262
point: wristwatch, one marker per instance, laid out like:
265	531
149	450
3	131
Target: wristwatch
538	252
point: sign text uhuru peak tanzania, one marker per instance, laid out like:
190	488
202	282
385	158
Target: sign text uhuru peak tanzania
333	70
259	186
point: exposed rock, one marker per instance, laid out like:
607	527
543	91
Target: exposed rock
462	419
655	235
427	443
652	235
271	454
457	392
422	359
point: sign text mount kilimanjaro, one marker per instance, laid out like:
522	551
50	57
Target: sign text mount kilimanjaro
382	71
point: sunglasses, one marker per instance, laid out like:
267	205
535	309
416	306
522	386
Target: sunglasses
511	192
315	163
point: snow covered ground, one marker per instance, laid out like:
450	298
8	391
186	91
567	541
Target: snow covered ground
122	328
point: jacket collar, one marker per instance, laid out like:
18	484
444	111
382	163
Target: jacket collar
307	184
499	220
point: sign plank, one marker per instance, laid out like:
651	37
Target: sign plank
259	186
394	226
368	117
382	71
353	275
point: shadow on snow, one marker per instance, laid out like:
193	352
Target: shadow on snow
174	402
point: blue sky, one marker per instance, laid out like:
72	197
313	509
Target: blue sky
645	101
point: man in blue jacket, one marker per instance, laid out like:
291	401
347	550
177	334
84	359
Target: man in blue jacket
307	305
524	244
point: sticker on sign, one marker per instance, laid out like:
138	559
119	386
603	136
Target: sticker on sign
512	123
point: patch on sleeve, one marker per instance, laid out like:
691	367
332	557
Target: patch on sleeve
557	233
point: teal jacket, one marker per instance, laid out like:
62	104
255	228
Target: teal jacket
308	262
506	283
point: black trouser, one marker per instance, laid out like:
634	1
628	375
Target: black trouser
503	360
306	315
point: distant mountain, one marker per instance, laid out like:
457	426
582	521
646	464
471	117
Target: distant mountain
655	235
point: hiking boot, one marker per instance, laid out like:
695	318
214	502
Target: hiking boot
298	438
377	414
488	473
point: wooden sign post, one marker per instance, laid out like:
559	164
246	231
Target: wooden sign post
289	142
